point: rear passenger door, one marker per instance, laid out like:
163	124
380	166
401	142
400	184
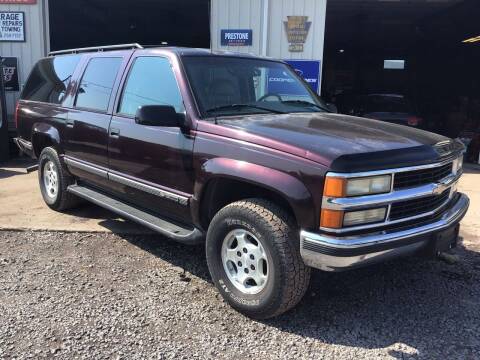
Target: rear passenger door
151	166
88	121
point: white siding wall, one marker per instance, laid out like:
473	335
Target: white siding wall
248	14
277	40
237	14
27	52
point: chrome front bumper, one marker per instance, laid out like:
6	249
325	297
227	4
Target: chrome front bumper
336	253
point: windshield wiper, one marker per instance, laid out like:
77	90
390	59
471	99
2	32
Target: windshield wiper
303	102
240	106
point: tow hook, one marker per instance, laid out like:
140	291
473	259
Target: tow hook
449	258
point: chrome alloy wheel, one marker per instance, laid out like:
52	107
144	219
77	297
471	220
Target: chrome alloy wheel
50	179
245	261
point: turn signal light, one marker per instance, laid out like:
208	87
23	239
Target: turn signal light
335	187
331	219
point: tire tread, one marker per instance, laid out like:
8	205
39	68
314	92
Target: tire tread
296	275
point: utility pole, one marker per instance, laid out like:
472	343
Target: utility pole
4	143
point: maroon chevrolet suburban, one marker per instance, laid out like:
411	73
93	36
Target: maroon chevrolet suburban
238	153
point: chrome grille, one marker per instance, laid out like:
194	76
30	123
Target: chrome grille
409	208
420	177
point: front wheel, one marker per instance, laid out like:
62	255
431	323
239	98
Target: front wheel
254	258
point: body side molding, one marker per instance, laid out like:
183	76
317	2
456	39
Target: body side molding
106	174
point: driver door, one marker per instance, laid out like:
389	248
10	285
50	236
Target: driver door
151	166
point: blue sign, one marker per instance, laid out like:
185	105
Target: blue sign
236	37
308	70
280	82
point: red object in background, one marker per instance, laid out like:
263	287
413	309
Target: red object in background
25	2
414	121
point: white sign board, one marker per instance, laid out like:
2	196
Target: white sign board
394	64
12	26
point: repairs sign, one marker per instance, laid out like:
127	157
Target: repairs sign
12	26
236	37
10	74
19	2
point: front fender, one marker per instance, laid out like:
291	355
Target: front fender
287	186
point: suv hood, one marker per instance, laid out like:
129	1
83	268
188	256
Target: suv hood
344	143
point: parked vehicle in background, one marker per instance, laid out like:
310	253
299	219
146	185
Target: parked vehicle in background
391	108
198	147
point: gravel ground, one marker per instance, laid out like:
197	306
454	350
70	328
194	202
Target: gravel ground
105	296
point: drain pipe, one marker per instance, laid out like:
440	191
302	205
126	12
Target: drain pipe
266	10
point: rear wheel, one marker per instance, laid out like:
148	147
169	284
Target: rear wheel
54	179
254	259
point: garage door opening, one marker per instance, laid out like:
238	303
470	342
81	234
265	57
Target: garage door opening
422	56
84	23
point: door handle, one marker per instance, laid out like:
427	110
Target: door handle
70	123
114	132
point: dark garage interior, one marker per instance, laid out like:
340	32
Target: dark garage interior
83	23
439	77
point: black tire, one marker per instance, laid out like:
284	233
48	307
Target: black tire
63	200
288	276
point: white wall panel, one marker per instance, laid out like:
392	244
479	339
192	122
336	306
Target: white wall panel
237	14
27	52
248	14
278	43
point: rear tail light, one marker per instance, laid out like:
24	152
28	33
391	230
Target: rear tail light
414	121
16	114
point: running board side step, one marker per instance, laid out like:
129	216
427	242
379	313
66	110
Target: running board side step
164	227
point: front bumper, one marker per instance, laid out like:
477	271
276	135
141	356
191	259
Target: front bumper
335	253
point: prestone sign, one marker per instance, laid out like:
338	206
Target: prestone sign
12	26
236	37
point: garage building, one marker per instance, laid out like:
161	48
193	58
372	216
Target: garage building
421	54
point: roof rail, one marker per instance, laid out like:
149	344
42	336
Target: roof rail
96	48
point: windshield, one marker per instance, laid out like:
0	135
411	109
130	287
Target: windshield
239	86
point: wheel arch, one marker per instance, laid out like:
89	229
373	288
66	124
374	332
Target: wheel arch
227	180
44	135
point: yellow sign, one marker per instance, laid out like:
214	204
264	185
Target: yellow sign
297	28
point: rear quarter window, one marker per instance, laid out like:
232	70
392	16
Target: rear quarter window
97	83
49	79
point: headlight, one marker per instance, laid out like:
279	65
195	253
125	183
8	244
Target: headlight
352	218
368	186
343	187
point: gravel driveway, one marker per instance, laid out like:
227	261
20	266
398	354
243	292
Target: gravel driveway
105	296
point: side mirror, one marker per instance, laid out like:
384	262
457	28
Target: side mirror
158	115
332	108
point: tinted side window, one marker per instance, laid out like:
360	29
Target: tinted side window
49	79
151	82
97	83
